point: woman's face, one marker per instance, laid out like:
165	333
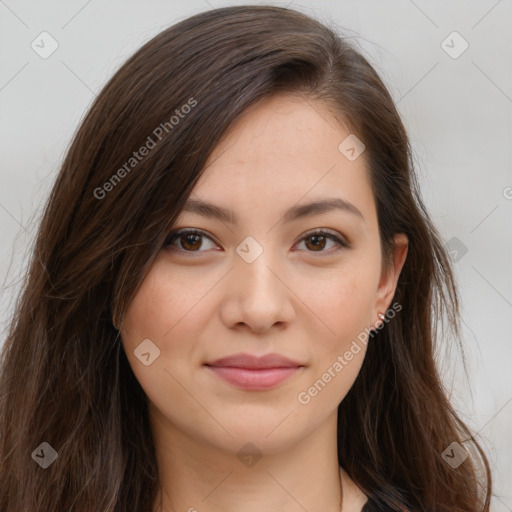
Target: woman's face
257	282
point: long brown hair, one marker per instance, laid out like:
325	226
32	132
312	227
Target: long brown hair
65	380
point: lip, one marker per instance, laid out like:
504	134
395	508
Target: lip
251	372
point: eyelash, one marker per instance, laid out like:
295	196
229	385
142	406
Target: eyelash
327	234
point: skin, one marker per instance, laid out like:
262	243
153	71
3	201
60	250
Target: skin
304	302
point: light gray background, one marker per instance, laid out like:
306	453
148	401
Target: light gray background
458	112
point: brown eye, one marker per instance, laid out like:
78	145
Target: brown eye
191	241
188	241
316	241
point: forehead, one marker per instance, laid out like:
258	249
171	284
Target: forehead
280	151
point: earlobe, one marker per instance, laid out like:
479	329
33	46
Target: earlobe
379	323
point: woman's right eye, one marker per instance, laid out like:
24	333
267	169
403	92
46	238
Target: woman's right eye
189	240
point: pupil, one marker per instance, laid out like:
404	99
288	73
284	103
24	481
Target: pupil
187	238
316	238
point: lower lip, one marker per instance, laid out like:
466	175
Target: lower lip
253	378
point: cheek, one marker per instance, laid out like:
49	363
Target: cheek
166	311
343	300
160	312
168	302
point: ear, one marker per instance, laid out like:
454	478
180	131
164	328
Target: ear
390	274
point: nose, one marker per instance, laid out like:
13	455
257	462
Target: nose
257	295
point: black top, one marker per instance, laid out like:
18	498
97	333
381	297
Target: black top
373	506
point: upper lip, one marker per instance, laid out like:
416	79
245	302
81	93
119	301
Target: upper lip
250	361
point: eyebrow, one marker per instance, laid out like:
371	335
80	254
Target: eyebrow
207	209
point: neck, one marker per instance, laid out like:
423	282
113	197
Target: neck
198	476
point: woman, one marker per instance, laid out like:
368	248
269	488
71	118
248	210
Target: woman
234	294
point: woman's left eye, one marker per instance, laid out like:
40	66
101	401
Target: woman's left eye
317	240
320	238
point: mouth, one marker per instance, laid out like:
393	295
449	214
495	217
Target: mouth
254	373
